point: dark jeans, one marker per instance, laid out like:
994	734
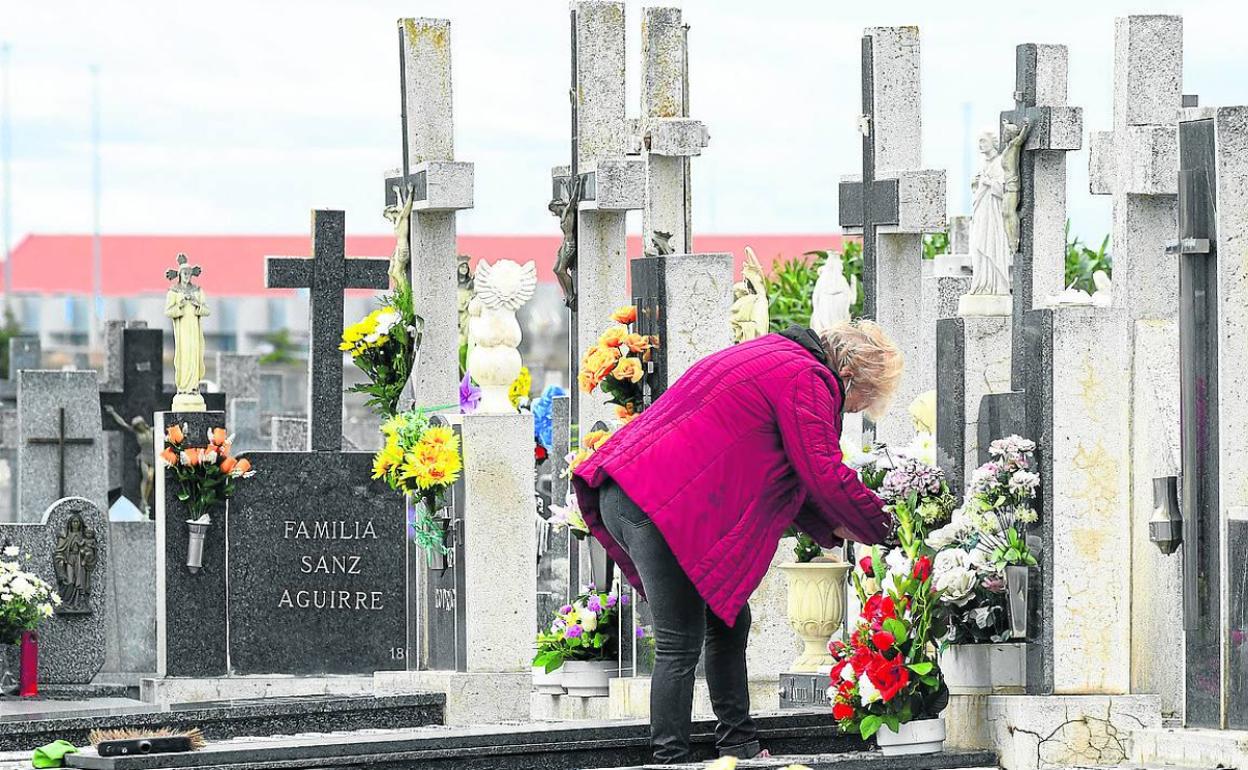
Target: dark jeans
676	604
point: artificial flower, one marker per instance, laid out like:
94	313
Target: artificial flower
842	711
169	456
637	343
614	337
922	567
923	412
864	564
520	387
174	434
883	640
628	369
469	395
625	315
888	676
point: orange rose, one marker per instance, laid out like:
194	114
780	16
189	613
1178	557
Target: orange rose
625	315
192	456
228	464
599	361
587	381
614	337
174	434
628	369
169	456
637	343
218	436
243	466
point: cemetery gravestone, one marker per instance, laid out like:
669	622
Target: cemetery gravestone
59	449
69	548
893	203
25	352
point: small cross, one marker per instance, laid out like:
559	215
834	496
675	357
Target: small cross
327	274
61	441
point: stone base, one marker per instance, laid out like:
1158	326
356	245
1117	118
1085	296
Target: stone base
564	708
188	402
1190	747
471	699
630	698
1029	732
805	691
198	690
985	304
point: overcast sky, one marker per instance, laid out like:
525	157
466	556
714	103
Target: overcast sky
238	116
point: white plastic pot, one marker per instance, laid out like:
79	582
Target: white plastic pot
548	684
922	736
589	678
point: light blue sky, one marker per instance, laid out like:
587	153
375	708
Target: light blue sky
239	116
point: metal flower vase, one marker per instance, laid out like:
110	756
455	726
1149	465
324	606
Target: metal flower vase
10	669
1016	591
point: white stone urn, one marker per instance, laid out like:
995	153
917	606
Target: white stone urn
921	736
589	678
816	609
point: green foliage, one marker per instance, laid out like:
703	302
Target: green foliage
388	361
1082	262
791	285
282	348
806	550
935	243
8	331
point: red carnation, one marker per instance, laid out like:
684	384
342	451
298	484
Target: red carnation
879	607
864	564
888	676
842	711
883	640
922	568
837	669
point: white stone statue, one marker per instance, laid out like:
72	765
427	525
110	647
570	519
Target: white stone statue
990	246
833	295
750	314
185	304
1104	296
494	333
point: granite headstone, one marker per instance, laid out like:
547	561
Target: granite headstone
60	451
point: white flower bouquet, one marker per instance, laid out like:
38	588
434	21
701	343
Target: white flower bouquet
26	600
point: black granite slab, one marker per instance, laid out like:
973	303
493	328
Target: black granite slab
1037	358
1000	415
228	719
317	567
550	746
194	603
951	400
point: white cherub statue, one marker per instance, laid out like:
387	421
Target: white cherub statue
833	295
1104	296
494	333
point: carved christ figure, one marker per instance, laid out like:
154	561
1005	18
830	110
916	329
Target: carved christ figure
400	215
990	249
565	262
1012	140
185	304
146	458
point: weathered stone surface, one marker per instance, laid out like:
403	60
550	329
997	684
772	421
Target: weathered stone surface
238	374
1078	370
600	62
899	282
243	422
619	185
500	542
774	645
289	434
316	570
131	623
973	360
71	646
898	119
42	395
449	185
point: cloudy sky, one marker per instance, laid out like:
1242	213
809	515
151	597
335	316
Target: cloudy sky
238	116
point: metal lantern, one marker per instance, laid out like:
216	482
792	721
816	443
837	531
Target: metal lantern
1165	528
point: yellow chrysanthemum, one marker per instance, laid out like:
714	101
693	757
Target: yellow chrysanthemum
520	387
389	456
440	436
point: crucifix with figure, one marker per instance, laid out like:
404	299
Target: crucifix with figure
327	274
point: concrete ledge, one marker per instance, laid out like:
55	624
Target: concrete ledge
196	690
1029	732
1190	746
471	699
564	708
630	698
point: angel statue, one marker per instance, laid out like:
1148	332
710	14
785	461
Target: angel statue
400	215
185	304
565	262
749	312
990	249
494	333
833	296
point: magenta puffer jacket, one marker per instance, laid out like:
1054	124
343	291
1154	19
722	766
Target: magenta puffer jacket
745	444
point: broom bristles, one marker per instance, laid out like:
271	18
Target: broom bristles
96	737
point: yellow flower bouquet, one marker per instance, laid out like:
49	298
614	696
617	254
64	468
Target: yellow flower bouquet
617	364
383	345
421	460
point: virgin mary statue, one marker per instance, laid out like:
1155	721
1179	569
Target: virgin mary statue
990	247
185	304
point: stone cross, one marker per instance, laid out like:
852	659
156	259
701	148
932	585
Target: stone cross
61	441
612	182
893	203
142	393
1055	128
327	274
1137	162
441	186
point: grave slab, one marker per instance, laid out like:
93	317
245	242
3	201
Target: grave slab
131	629
60	450
72	641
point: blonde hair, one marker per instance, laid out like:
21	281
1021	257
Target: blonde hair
874	362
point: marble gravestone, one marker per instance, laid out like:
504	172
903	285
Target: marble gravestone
60	449
893	203
142	394
74	532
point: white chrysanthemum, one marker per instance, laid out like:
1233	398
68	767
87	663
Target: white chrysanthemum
1024	483
867	691
589	620
923	448
386	321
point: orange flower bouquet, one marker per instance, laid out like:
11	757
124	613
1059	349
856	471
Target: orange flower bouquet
617	364
205	475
